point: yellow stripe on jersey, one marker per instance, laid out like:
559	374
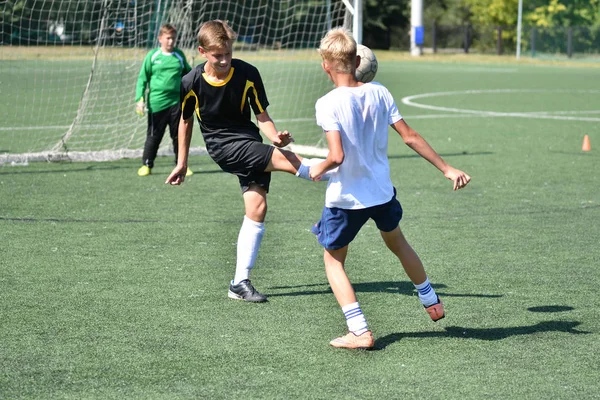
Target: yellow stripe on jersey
217	84
196	107
250	84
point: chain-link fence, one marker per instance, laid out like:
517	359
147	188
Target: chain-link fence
577	42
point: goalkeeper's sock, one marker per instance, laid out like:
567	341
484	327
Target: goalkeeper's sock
427	295
249	239
355	319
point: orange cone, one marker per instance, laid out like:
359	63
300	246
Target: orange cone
586	146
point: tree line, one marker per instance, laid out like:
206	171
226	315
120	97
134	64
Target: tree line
386	23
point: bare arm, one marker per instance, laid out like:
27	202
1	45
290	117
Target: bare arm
335	157
416	142
184	133
267	126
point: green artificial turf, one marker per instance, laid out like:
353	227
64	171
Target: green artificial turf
114	286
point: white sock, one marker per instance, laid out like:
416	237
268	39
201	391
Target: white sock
249	238
305	169
427	295
355	319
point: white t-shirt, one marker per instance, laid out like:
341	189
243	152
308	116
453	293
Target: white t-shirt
362	115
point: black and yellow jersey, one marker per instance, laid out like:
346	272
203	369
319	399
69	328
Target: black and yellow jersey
223	109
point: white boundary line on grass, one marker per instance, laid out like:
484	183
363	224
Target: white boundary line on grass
449	112
62	127
557	115
409	100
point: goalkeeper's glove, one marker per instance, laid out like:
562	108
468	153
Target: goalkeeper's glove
140	108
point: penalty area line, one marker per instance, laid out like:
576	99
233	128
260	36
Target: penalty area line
554	115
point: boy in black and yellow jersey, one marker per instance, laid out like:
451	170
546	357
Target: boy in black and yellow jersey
222	93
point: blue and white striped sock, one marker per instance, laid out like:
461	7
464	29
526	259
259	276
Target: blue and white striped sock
304	169
427	295
355	319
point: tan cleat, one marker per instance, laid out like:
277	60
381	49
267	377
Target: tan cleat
351	341
436	311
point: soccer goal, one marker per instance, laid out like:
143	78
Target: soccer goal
69	67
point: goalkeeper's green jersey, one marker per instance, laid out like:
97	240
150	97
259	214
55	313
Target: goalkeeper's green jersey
161	73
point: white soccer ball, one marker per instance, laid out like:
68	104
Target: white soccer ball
368	64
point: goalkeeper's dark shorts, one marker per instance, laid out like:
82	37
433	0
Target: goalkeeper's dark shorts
247	159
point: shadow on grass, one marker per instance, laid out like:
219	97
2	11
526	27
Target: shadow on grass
484	333
212	171
573	153
99	167
395	287
550	308
73	220
444	155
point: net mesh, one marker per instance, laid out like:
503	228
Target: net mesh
69	68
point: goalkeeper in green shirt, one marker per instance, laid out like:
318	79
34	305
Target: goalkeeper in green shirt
161	74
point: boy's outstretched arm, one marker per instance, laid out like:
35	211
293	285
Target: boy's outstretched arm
267	126
184	133
334	159
419	145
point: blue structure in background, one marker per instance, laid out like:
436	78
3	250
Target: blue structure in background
419	35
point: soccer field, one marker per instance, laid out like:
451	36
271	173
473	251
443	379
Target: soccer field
114	286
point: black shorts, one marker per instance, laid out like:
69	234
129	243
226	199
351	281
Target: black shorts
247	159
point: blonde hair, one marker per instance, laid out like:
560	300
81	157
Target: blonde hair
339	47
215	33
167	28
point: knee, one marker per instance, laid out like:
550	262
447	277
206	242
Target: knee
257	211
257	214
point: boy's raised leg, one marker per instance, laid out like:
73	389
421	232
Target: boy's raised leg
287	161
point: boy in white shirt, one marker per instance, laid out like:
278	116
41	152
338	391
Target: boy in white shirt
355	117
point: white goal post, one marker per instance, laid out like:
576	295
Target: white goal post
68	69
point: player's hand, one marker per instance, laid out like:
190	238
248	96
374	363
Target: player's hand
140	108
283	139
177	176
313	176
316	172
459	178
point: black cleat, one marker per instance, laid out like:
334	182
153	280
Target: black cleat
245	291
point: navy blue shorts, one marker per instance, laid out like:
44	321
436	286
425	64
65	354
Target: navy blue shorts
338	227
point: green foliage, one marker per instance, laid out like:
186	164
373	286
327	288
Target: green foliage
566	13
385	22
12	11
446	12
541	13
493	12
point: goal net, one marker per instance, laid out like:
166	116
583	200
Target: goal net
69	68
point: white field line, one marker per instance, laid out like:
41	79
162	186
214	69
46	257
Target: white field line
121	126
316	151
409	100
556	115
283	121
